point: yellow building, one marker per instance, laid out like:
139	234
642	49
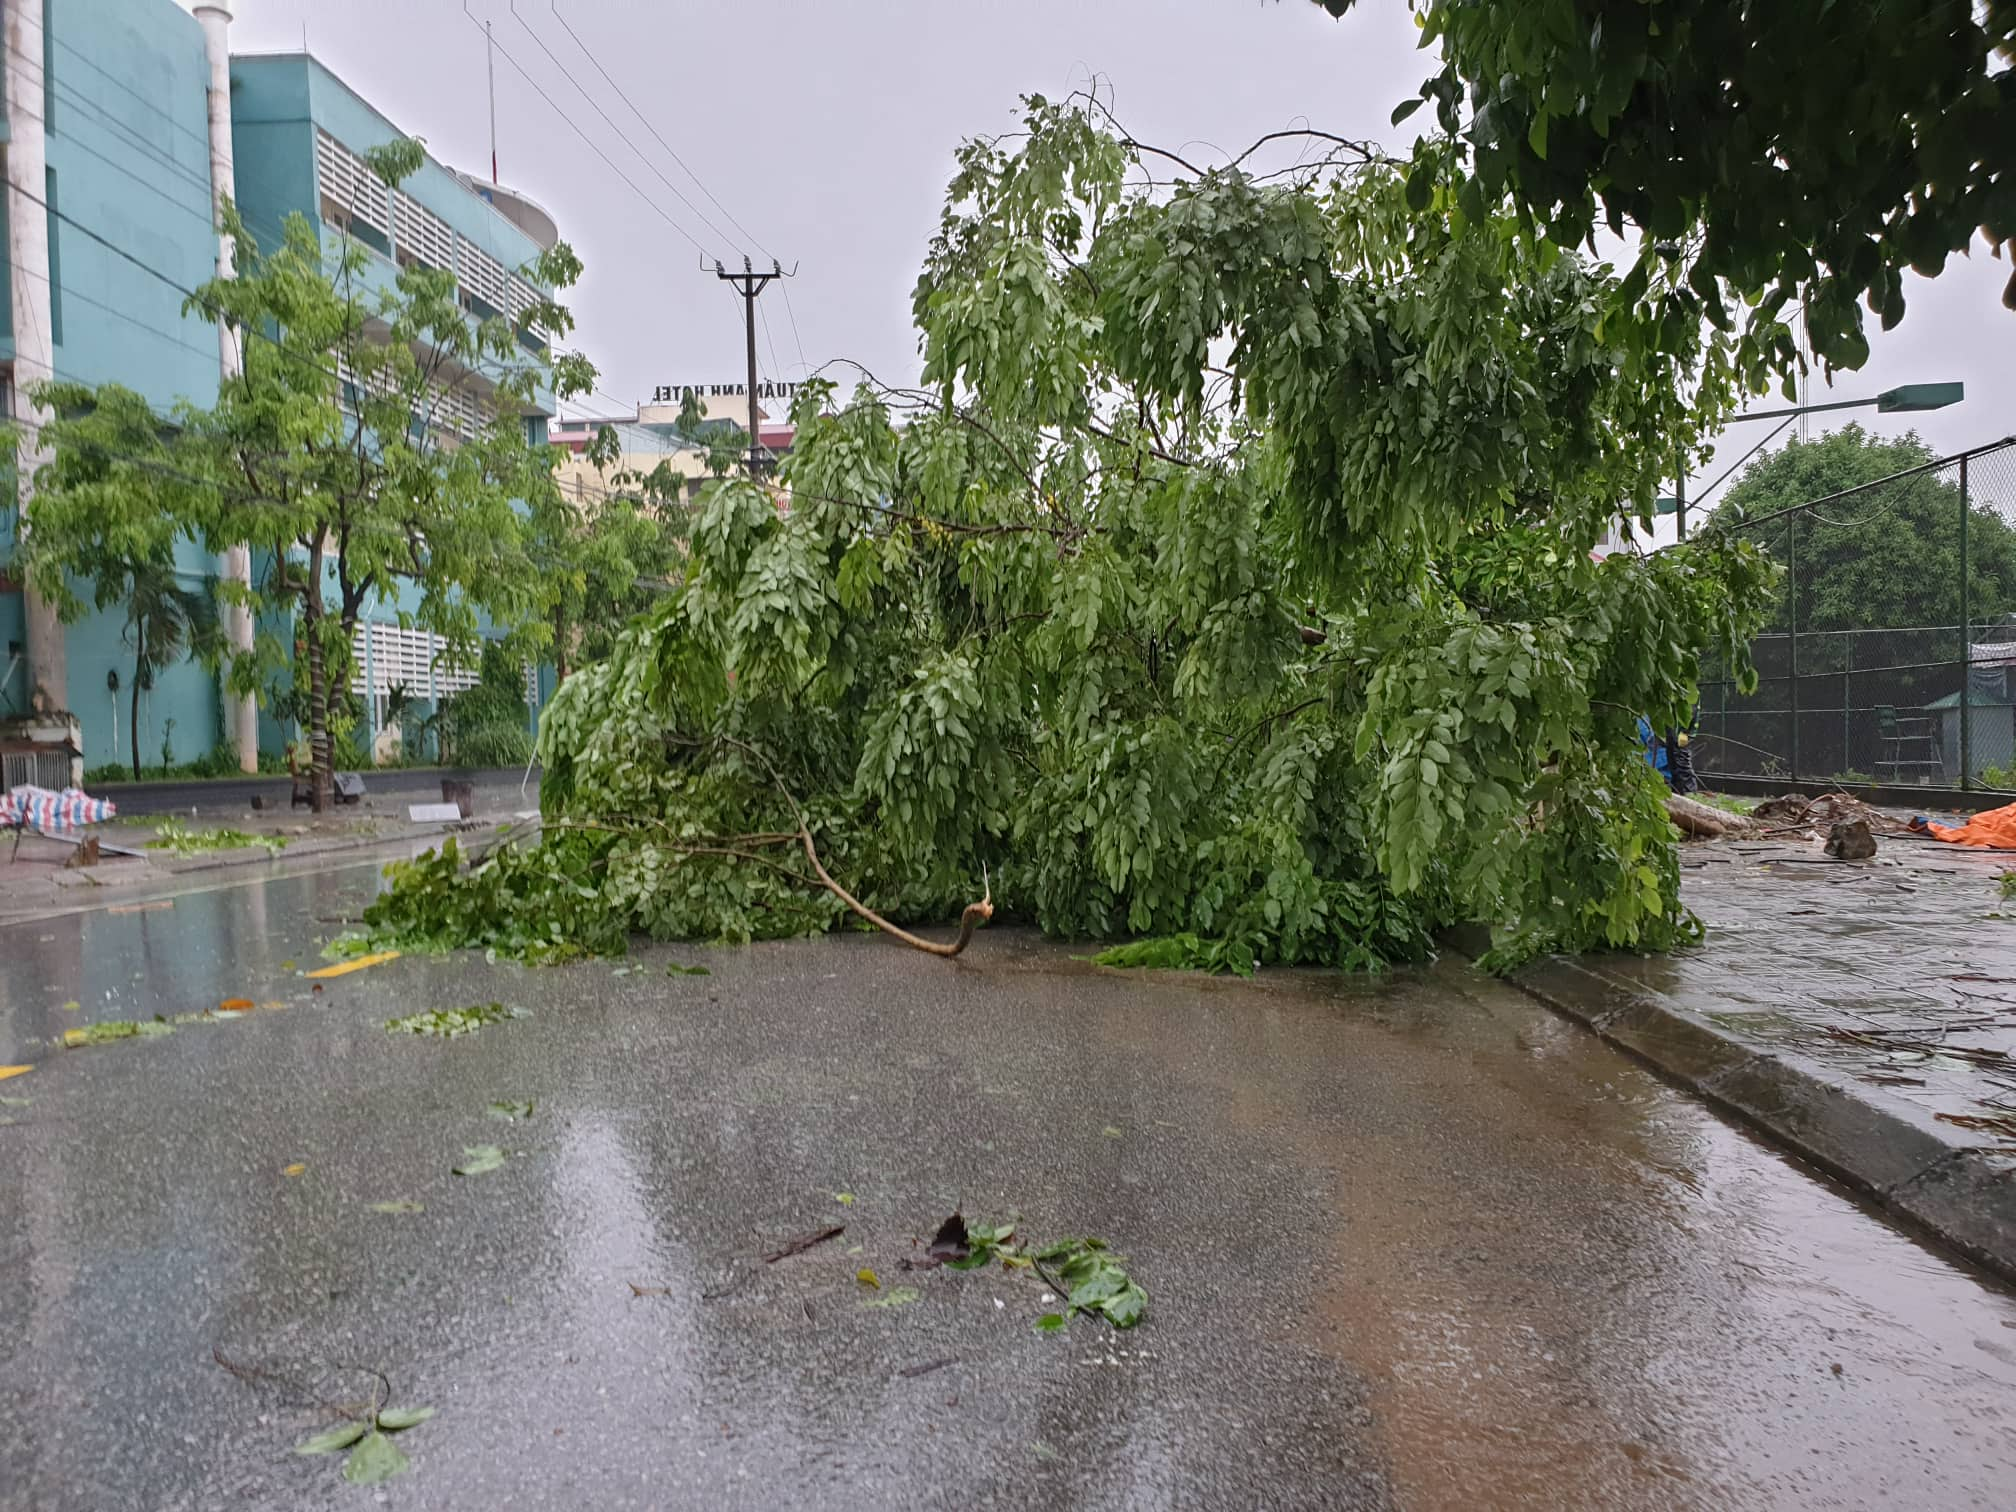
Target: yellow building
652	436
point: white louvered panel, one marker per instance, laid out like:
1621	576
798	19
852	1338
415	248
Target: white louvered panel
402	657
482	275
348	180
461	412
523	298
423	234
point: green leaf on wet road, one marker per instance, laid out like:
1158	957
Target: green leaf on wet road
342	1436
450	1023
376	1459
897	1296
401	1206
1126	1308
511	1112
675	969
396	1419
477	1159
1051	1323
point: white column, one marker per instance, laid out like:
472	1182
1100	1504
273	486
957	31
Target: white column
215	17
34	342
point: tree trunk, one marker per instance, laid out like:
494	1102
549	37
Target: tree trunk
559	646
321	753
1703	822
139	661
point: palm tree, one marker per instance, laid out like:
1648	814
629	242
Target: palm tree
165	622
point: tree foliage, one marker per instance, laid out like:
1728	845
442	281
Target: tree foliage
1231	577
1885	558
91	538
1802	151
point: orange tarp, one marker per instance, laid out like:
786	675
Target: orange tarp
1993	830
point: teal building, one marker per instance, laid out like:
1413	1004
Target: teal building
121	109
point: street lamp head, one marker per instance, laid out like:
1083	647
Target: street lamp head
1912	397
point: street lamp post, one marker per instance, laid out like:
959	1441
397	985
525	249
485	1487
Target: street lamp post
1906	399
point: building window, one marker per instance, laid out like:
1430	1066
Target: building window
55	258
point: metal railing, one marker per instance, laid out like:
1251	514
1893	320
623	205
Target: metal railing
1891	657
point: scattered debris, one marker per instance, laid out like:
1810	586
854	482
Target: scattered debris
1703	821
1088	1276
673	968
951	1242
649	1291
911	1372
479	1160
2003	1125
450	1023
900	1296
845	1199
434	813
375	1458
511	1112
115	1029
7	1071
1851	840
72	1006
236	1005
401	1206
1181	952
366	1426
867	1277
295	1169
804	1242
176	838
344	968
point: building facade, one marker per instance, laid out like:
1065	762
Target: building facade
652	436
109	227
113	171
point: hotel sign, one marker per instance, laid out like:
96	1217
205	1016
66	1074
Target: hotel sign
675	393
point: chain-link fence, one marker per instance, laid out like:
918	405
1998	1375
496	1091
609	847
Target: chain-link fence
1891	657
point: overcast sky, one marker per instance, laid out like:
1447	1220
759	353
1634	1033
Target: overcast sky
826	128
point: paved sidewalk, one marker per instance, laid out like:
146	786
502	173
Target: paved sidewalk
38	882
1862	1012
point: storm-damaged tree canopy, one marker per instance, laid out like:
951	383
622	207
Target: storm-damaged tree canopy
1231	578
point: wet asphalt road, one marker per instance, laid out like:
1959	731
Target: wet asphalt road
1409	1243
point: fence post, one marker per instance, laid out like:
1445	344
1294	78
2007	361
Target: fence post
1792	620
1847	688
1966	642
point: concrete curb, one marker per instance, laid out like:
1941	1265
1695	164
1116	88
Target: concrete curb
1916	1168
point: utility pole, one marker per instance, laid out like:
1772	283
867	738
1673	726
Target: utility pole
490	62
751	283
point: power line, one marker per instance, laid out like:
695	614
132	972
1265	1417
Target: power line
70	100
193	294
592	146
775	366
620	133
803	365
67	293
590	56
201	138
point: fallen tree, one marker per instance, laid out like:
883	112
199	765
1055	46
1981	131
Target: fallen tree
1231	579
